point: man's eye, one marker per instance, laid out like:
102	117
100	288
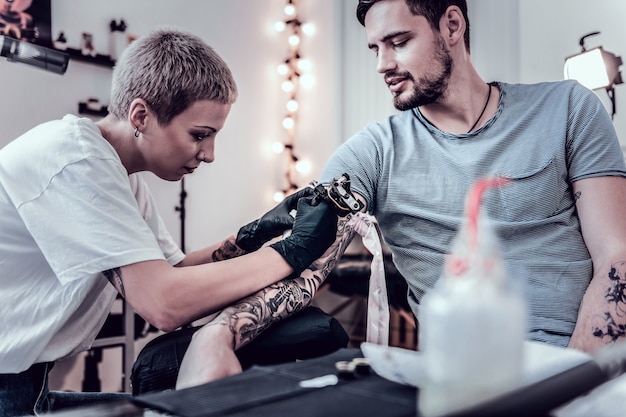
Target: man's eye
399	44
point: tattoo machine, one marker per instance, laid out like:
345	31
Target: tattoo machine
337	193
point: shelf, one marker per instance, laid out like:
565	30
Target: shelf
83	109
99	59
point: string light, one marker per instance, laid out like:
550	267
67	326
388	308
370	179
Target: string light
296	72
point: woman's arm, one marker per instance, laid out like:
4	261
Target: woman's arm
227	249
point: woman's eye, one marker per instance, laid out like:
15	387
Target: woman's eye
200	136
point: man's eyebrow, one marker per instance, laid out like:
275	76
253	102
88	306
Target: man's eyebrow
388	36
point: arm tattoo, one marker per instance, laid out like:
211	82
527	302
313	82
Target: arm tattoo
612	325
577	195
115	277
252	315
228	250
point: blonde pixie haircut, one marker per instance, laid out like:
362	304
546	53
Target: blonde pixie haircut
170	69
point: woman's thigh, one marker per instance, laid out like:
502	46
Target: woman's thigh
26	392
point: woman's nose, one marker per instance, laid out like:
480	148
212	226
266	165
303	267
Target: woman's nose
207	154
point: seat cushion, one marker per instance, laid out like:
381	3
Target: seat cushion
307	334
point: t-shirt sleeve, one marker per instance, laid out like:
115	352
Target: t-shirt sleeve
86	220
359	157
593	147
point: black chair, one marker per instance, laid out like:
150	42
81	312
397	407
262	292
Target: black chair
309	333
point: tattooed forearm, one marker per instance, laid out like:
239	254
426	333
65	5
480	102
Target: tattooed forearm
115	277
254	314
612	326
228	250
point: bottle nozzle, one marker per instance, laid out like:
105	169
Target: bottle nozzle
472	208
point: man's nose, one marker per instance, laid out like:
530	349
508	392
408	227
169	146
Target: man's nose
386	62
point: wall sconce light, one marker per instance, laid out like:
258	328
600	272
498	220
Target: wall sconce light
31	54
595	69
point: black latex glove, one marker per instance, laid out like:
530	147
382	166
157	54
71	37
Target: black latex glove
314	230
273	223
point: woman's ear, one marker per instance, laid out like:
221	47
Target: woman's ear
452	26
137	113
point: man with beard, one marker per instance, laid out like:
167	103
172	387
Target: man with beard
559	219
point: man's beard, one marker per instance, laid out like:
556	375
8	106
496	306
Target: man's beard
429	88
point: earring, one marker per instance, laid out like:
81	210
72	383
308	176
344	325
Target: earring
137	132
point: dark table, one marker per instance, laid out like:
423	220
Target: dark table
276	391
273	391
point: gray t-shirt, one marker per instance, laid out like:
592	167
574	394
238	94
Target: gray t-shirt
544	137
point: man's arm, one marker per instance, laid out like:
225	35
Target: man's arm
211	354
602	316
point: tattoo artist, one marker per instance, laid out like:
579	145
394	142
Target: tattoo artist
79	225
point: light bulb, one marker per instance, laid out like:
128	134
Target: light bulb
288	123
308	29
287	86
279	196
292	106
282	69
278	147
307	81
294	40
290	10
304	64
279	26
303	166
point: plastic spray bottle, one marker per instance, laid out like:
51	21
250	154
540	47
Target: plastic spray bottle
472	323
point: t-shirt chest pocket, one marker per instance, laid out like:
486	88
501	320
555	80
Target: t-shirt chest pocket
535	192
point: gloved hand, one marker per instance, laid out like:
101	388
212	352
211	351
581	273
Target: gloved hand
314	230
253	235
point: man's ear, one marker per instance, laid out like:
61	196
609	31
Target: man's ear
138	112
452	26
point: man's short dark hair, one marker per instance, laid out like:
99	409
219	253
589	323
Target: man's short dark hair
432	10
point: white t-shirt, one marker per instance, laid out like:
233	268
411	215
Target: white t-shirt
68	211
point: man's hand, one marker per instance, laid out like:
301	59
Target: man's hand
273	223
210	356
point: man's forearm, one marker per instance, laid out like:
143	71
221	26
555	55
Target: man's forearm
249	317
602	315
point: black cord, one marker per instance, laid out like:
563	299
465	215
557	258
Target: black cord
181	208
482	112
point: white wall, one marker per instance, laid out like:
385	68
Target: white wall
550	31
527	41
494	39
512	40
239	185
